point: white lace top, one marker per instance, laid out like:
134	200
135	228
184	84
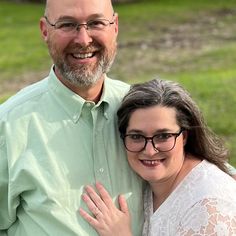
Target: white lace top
204	203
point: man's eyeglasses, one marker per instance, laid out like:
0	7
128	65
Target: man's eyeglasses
69	26
162	142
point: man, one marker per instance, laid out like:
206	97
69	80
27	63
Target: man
60	134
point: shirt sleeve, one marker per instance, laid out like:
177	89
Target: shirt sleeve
3	233
8	204
209	217
232	170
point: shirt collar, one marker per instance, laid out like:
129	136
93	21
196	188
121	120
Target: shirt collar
71	102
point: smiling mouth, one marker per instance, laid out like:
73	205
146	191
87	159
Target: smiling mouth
83	55
151	163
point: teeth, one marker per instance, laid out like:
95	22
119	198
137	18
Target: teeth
151	162
83	56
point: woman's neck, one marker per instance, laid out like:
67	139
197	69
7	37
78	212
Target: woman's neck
162	190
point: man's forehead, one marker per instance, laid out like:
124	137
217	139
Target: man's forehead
78	7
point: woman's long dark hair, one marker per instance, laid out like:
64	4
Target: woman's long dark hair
202	143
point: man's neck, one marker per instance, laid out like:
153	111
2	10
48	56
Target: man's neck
91	93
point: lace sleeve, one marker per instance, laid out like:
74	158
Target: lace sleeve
209	217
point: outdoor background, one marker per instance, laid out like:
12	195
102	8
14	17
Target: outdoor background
189	41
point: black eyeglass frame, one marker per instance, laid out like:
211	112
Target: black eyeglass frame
176	135
78	25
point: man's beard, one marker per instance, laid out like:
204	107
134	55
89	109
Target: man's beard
81	75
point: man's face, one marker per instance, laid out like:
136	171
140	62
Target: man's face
81	57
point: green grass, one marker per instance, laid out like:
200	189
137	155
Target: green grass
189	41
21	46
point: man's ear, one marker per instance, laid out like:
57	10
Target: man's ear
116	22
43	29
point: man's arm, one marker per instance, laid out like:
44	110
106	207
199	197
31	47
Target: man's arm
3	233
7	213
232	170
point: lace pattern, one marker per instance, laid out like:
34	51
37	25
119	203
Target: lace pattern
203	204
209	217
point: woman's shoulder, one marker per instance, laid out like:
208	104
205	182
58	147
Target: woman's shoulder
207	180
210	195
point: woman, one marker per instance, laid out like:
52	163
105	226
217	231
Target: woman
169	145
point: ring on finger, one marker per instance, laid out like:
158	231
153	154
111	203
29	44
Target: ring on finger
96	211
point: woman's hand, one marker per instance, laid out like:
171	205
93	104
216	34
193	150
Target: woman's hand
107	219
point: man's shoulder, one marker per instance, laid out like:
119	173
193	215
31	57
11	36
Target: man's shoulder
116	87
28	95
117	84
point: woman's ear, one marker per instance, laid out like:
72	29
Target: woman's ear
185	137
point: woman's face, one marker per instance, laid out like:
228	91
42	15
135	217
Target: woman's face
150	164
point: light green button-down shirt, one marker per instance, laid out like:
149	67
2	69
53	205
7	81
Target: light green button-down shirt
52	143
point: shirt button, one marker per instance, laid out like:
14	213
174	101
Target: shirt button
106	115
101	170
1	141
88	104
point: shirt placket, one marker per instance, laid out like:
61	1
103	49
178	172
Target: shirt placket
101	170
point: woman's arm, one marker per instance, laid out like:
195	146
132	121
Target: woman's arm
107	219
210	216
